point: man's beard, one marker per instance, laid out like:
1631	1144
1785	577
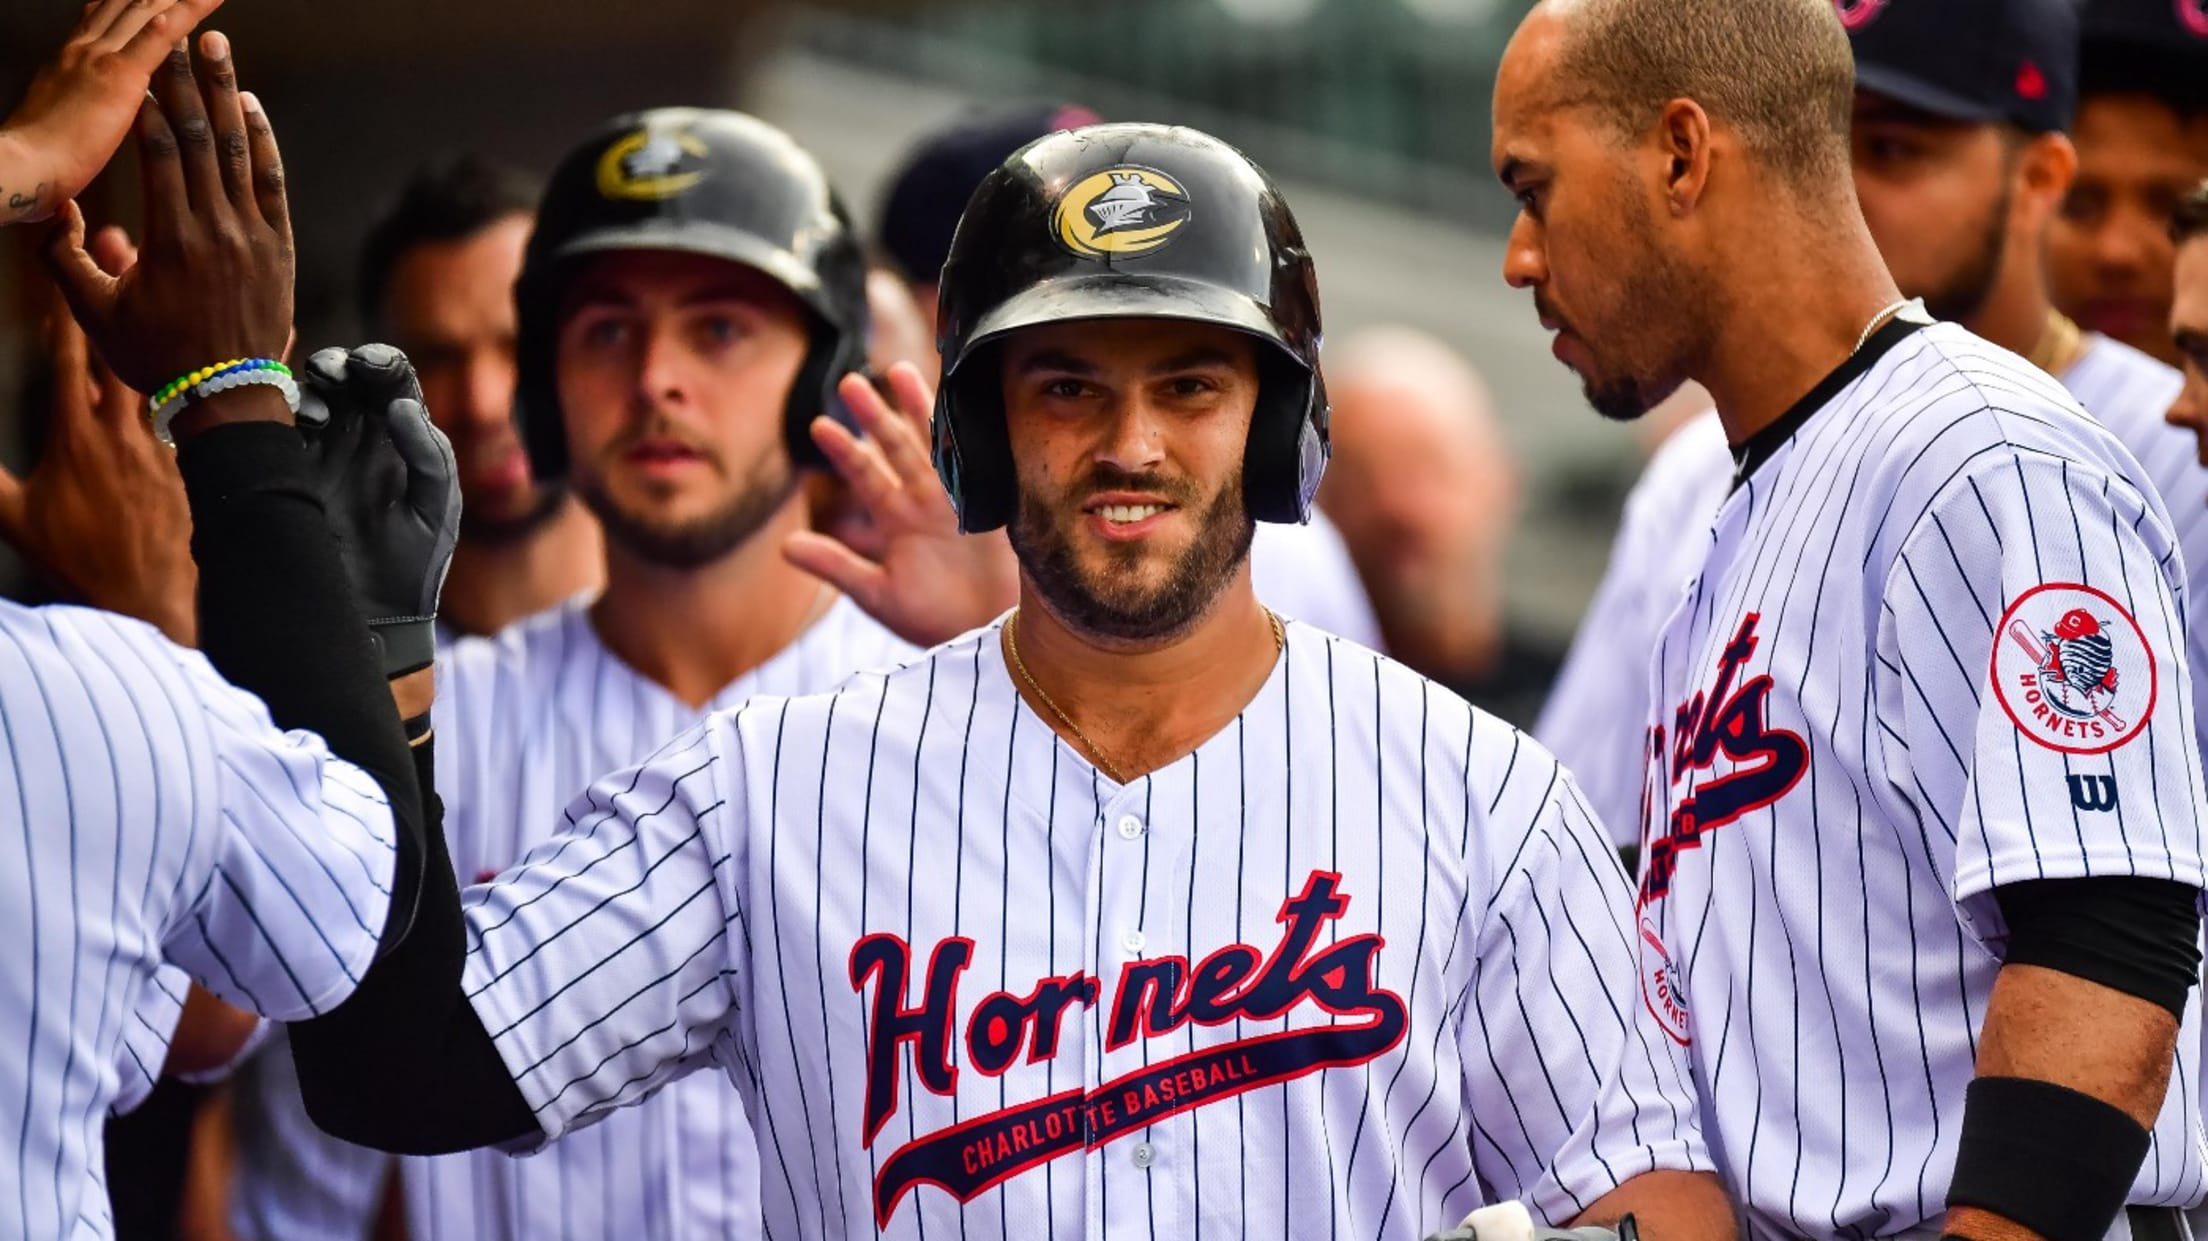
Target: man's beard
1964	294
1653	280
1114	606
699	541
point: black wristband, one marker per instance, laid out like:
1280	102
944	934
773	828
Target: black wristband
2052	1159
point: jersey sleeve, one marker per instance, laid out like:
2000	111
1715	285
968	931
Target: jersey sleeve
1574	1088
601	964
1596	716
2038	707
290	913
146	1035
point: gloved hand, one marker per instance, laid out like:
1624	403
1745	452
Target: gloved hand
391	487
1510	1221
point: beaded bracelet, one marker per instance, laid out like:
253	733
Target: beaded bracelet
221	377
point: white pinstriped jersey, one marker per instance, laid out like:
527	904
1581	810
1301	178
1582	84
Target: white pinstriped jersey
1936	647
1594	718
150	812
524	721
1305	572
1357	964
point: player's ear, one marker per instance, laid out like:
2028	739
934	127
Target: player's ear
2043	167
1683	143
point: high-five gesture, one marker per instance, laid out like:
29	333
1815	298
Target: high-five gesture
81	103
213	279
930	582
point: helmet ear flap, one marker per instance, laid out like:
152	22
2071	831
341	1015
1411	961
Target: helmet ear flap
1289	443
973	451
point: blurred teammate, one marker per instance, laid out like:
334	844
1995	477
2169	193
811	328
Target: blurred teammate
689	298
1304	570
2189	315
1959	170
1425	490
437	276
1921	888
2142	137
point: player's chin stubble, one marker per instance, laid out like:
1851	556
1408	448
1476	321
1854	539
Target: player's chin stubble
1114	602
701	540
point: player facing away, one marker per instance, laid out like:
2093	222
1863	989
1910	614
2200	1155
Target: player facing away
1137	911
690	296
1921	883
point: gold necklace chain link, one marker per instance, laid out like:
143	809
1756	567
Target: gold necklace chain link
1012	645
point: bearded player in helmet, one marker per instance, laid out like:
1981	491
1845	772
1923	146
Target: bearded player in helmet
1138	911
690	297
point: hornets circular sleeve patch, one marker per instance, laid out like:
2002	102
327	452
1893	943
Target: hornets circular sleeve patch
2073	669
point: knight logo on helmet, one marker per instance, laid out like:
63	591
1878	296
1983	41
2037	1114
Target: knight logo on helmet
1129	221
717	184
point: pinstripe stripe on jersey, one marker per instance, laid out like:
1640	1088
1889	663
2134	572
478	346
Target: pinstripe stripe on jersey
156	815
1524	1032
524	720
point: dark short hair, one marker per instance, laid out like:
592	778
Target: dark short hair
2191	219
1781	72
447	200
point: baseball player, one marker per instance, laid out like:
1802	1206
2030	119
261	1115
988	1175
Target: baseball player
2142	134
1921	857
690	297
154	812
1137	912
1959	170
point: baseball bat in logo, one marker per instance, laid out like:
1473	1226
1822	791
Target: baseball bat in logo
1856	14
2073	669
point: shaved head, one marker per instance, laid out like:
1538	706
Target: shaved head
1781	73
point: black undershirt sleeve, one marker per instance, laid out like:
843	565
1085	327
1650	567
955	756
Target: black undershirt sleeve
277	617
2138	936
404	1064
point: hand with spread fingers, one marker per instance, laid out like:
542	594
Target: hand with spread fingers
390	486
81	102
213	281
928	582
103	514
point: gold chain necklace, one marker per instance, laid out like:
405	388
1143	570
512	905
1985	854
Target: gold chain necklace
2058	344
1012	644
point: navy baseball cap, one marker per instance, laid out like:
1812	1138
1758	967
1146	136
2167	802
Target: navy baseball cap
928	194
2157	47
1970	60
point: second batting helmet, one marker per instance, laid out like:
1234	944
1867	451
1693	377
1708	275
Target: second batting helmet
1129	221
699	181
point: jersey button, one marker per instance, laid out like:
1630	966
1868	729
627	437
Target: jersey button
1132	941
1130	827
1144	1154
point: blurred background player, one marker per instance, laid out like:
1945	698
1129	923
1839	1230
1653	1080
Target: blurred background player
1304	571
1961	163
1425	489
2142	139
437	274
2189	315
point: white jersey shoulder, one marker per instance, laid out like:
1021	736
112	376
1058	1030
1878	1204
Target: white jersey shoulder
525	719
1935	648
1359	961
1596	716
1306	572
154	814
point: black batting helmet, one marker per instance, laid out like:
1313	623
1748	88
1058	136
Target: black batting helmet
1129	221
699	181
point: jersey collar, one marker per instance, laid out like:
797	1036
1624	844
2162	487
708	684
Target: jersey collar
1765	444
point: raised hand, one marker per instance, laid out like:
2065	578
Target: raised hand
81	102
928	582
103	514
213	280
390	486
